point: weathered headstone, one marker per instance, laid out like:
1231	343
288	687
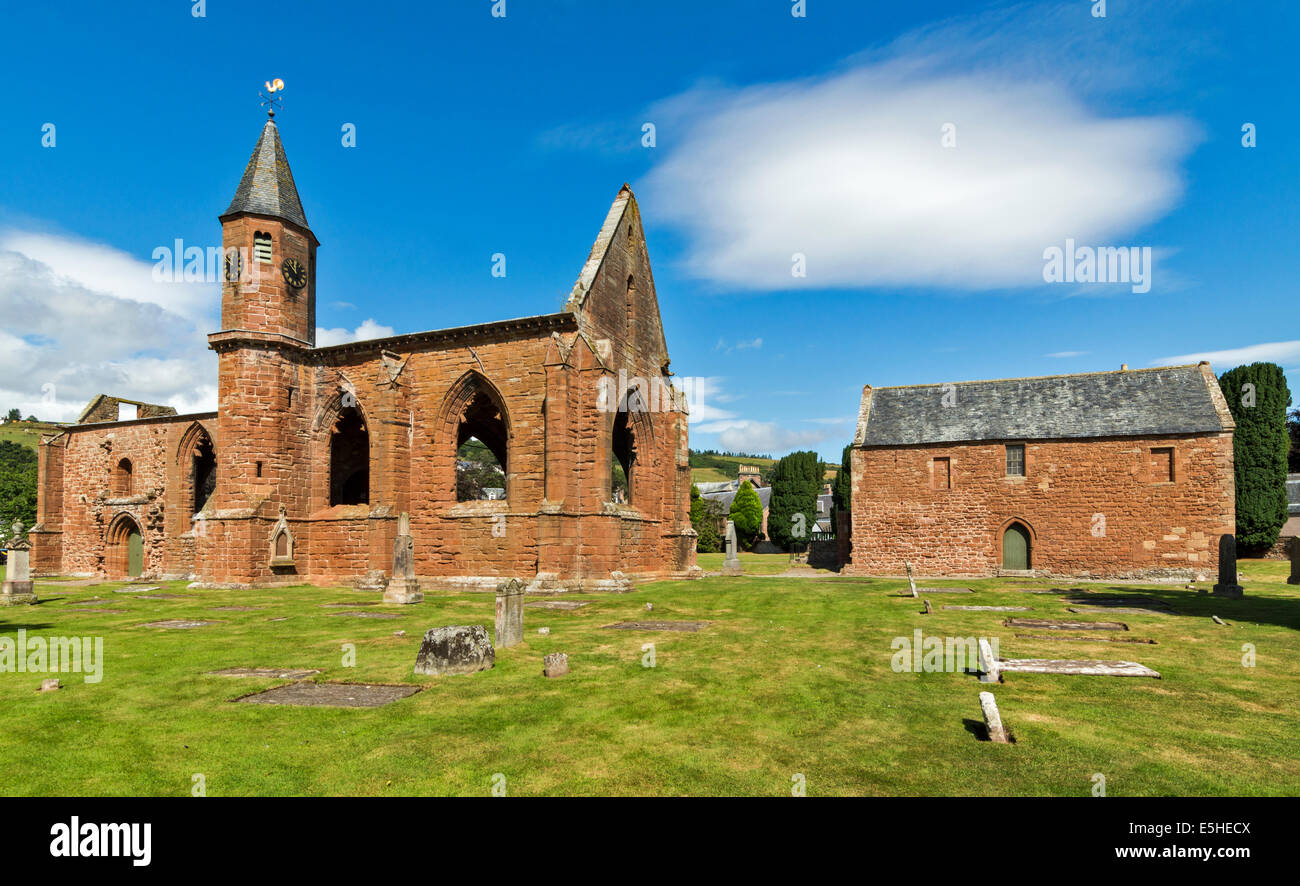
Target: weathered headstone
992	719
18	587
455	649
911	582
1227	585
928	608
1294	578
510	613
988	662
403	588
731	566
555	665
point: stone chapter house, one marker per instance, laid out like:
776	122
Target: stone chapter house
313	453
1124	474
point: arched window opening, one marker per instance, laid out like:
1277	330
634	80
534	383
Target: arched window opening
1017	550
481	457
121	485
349	459
479	475
282	544
631	304
203	465
622	461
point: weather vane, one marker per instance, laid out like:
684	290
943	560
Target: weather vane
270	100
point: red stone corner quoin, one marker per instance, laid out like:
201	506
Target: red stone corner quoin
1113	475
346	438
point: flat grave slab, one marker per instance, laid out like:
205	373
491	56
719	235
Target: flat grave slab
1087	668
164	596
555	604
86	604
236	608
1049	624
365	614
357	603
273	673
1137	601
921	590
136	590
176	623
86	610
992	608
691	626
336	695
1126	610
1098	639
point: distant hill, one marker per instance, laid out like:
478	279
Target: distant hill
717	467
27	433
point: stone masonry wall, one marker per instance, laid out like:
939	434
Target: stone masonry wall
1153	527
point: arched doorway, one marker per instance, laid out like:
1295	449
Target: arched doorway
1017	550
125	549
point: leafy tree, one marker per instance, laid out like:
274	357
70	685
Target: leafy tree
14	415
747	514
476	469
843	489
17	486
1258	398
705	517
792	511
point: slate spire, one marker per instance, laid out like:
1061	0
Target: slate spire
267	187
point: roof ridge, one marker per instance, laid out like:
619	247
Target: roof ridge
986	381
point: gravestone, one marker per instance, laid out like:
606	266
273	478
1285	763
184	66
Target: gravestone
455	649
731	566
1227	585
18	588
988	663
510	613
911	582
555	665
1294	579
992	719
403	588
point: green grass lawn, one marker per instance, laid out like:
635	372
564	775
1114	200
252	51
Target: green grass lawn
793	676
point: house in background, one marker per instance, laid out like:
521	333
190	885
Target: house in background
1124	474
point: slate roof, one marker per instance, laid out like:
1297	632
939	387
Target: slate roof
267	187
726	498
1126	403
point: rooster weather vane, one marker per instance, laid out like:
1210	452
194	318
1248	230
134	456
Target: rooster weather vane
270	100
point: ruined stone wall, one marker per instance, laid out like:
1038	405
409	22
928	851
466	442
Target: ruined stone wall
1153	528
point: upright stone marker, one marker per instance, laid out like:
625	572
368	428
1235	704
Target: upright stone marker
988	663
992	719
1295	562
510	613
911	582
403	588
1227	585
18	588
731	566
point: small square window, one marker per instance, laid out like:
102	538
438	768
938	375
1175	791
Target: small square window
941	473
1015	460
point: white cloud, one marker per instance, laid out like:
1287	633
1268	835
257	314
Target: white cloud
745	435
339	335
1281	352
82	318
1062	355
701	392
752	344
849	169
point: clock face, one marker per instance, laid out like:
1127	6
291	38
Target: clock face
234	265
294	273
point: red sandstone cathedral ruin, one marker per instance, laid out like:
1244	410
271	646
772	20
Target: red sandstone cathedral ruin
313	453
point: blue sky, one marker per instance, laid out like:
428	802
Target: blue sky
774	135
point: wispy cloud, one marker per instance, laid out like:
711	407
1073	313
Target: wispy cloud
1061	355
340	335
1285	353
753	170
747	435
752	344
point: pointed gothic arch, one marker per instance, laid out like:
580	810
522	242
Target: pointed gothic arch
1017	545
124	547
631	443
474	408
196	458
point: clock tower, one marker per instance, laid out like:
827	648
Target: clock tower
269	281
268	331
